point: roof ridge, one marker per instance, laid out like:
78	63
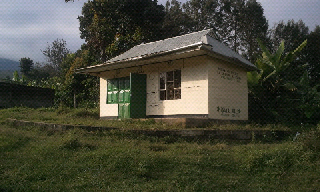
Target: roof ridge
209	30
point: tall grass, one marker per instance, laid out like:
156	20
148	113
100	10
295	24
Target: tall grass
77	160
90	117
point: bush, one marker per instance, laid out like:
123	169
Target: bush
311	140
278	160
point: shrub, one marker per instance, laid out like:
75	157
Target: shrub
311	141
278	160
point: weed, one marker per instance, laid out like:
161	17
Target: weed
31	160
158	148
311	141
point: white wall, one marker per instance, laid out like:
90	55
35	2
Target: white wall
194	88
106	110
228	91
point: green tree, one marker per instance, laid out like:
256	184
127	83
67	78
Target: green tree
112	27
203	14
78	89
26	66
313	56
16	77
254	26
176	21
55	54
293	33
309	100
39	73
232	21
241	23
272	95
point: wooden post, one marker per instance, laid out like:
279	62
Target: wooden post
74	100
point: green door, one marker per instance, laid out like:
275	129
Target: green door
121	90
130	95
138	88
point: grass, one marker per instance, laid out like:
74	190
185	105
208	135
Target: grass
91	117
76	160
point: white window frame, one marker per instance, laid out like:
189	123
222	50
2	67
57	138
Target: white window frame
165	89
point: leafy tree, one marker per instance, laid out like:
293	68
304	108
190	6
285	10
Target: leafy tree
309	100
16	77
293	33
176	21
55	54
254	26
203	13
271	94
112	27
232	21
39	73
241	23
313	55
78	89
26	66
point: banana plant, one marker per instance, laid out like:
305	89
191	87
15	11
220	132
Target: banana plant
272	65
269	89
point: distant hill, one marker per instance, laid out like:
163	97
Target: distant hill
7	67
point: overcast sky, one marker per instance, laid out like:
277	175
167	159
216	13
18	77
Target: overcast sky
26	26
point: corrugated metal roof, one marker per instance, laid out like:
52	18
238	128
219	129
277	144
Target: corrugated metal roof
162	46
199	39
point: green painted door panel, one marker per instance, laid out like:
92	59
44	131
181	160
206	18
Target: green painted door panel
130	94
109	98
127	83
126	110
127	96
121	96
115	84
109	85
138	86
114	97
121	84
120	111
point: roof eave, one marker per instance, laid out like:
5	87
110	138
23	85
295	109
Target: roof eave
233	60
96	69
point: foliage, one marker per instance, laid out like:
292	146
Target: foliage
311	141
309	99
202	14
26	66
16	77
274	96
232	22
293	33
56	53
176	20
313	55
112	27
80	90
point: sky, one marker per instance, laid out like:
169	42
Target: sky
28	26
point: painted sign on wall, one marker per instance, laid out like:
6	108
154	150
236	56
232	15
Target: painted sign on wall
229	75
229	111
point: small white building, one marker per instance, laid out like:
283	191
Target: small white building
188	76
